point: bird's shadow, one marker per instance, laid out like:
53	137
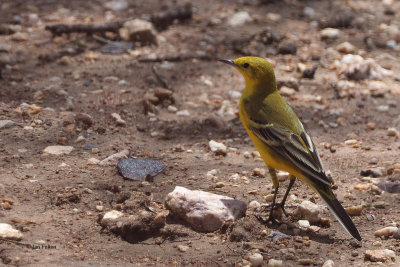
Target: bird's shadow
325	238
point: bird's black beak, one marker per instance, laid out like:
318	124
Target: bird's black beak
227	61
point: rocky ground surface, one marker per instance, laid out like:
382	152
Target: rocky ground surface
71	108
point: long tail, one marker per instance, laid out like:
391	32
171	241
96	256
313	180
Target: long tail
337	209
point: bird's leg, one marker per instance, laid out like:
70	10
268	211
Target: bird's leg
275	183
282	204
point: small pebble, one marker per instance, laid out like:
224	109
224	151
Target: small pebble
118	120
217	148
260	172
304	223
354	210
328	263
256	259
330	33
387	231
183	248
305	261
254	205
99	208
363	187
393	132
275	263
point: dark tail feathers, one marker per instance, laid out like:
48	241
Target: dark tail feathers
341	215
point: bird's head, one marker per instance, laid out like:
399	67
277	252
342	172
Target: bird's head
257	72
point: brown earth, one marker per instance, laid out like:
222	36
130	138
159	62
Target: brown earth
55	203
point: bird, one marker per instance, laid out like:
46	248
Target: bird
280	137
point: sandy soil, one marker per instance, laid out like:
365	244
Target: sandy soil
53	199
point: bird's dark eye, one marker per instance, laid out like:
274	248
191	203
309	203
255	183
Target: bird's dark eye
245	65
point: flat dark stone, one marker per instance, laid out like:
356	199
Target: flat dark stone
90	147
116	47
140	169
390	187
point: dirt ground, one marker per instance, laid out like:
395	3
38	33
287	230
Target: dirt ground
53	200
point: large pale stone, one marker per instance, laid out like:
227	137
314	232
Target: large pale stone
8	232
202	210
308	211
58	150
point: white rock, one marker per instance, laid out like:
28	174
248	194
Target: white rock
111	216
58	150
202	210
139	30
117	118
239	18
329	263
100	208
308	211
355	67
387	231
80	139
93	161
227	109
275	17
393	132
304	223
116	5
183	248
275	263
172	109
112	160
330	33
184	112
309	12
8	232
254	205
4	124
217	148
379	255
234	94
346	48
256	259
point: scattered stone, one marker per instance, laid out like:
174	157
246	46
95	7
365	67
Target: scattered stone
379	204
239	19
139	169
99	208
354	210
305	261
172	109
383	108
184	113
80	139
362	187
287	47
254	205
338	19
350	142
20	37
256	259
110	216
117	118
387	231
217	148
84	120
328	263
275	263
8	232
163	94
116	5
286	91
234	94
393	132
304	223
355	67
183	248
276	235
139	31
374	172
112	160
260	172
309	73
4	124
202	210
274	17
397	235
379	255
330	33
346	48
308	211
370	126
390	187
58	150
68	197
